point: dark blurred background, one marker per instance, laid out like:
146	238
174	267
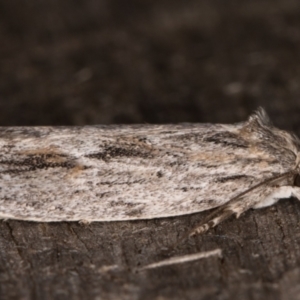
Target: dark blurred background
136	61
67	62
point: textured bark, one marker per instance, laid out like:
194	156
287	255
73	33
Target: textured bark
89	62
99	261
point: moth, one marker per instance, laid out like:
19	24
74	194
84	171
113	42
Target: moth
130	172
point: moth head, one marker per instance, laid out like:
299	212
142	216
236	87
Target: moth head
297	180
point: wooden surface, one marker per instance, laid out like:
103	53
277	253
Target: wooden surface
99	261
103	62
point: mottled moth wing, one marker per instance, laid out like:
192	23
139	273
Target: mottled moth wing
107	173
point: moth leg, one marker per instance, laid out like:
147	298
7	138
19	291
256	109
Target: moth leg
224	214
279	193
219	215
296	192
241	204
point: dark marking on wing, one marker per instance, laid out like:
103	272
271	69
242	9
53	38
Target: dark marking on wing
159	174
135	212
191	137
190	188
125	204
231	178
33	162
111	152
211	202
164	132
110	183
227	139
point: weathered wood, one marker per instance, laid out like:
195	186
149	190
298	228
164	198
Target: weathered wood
69	260
160	61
